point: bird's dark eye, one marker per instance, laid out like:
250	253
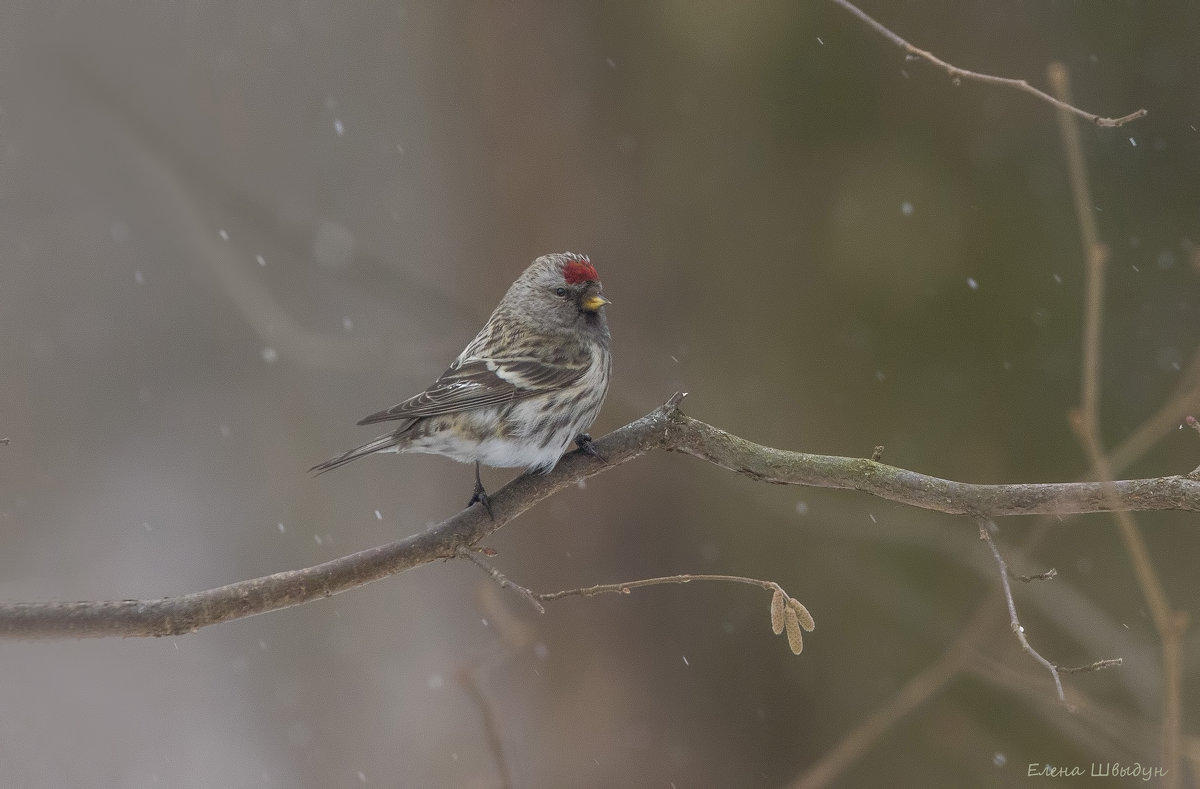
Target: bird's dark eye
560	291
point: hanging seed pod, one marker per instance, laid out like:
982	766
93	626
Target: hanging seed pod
802	614
791	624
777	606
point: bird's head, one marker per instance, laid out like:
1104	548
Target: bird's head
561	290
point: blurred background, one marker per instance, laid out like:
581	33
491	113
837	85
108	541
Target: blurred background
229	230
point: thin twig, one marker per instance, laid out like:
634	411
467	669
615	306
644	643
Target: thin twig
625	587
1112	734
1042	576
958	656
1096	665
957	74
788	609
502	580
985	535
788	615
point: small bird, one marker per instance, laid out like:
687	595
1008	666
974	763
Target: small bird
530	383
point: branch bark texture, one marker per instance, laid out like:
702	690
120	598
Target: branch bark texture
666	428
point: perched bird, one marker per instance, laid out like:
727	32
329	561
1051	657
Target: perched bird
529	384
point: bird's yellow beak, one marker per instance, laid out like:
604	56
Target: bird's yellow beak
595	302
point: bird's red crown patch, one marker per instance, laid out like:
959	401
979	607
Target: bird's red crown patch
580	270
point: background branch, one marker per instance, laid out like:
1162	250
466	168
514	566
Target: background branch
957	74
961	654
1086	422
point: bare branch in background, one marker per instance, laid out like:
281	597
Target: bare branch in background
958	74
1085	420
960	654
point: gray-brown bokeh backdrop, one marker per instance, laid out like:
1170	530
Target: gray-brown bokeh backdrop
229	230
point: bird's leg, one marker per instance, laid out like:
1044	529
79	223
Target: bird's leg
480	495
588	447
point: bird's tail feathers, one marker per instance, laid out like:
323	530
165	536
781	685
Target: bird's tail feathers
381	444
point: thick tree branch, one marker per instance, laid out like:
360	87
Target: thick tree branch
730	452
665	428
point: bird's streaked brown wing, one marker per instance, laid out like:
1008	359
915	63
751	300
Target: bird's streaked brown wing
476	383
